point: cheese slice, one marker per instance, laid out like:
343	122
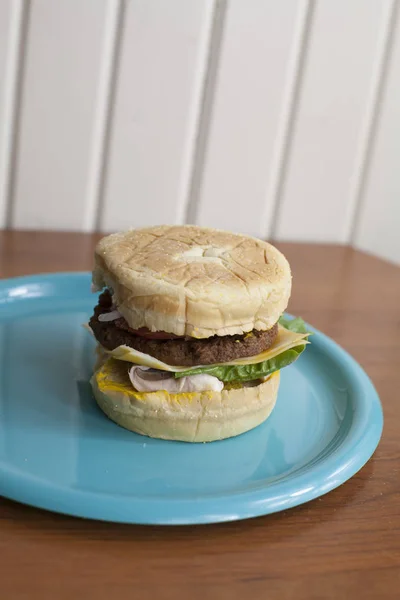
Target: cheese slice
284	341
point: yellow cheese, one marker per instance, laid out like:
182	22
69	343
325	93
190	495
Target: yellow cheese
284	341
113	377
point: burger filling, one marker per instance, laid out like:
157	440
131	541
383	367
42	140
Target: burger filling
111	330
208	364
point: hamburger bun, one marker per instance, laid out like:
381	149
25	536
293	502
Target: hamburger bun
193	281
188	417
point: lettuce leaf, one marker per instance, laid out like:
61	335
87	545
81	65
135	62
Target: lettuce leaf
297	325
250	372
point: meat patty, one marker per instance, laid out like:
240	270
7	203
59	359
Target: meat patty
184	351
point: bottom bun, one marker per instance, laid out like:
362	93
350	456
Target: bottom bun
188	417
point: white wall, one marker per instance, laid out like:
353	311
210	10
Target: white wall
276	118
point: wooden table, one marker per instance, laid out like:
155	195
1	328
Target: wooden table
344	545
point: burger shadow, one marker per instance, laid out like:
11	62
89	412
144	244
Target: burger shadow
32	407
40	405
38	382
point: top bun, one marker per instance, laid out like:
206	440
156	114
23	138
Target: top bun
193	281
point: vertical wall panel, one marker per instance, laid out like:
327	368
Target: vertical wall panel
12	14
252	74
158	99
378	225
260	116
58	111
342	49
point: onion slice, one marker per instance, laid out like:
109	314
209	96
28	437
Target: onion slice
110	316
144	379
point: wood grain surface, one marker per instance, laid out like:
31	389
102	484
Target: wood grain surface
344	545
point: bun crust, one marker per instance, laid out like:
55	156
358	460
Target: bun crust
188	417
193	281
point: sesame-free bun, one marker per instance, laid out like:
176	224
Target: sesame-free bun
188	417
193	281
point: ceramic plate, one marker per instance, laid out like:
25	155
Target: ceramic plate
58	451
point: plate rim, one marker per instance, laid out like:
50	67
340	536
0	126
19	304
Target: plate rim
331	471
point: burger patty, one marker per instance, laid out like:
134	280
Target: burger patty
177	351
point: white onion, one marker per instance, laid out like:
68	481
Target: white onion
144	379
110	316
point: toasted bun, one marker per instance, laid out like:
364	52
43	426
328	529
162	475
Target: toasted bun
193	281
188	417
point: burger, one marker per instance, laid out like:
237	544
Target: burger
190	330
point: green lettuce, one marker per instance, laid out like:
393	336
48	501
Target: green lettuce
297	325
230	373
247	372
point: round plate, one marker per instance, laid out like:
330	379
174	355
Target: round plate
58	451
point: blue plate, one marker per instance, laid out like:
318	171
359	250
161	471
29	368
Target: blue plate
58	451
